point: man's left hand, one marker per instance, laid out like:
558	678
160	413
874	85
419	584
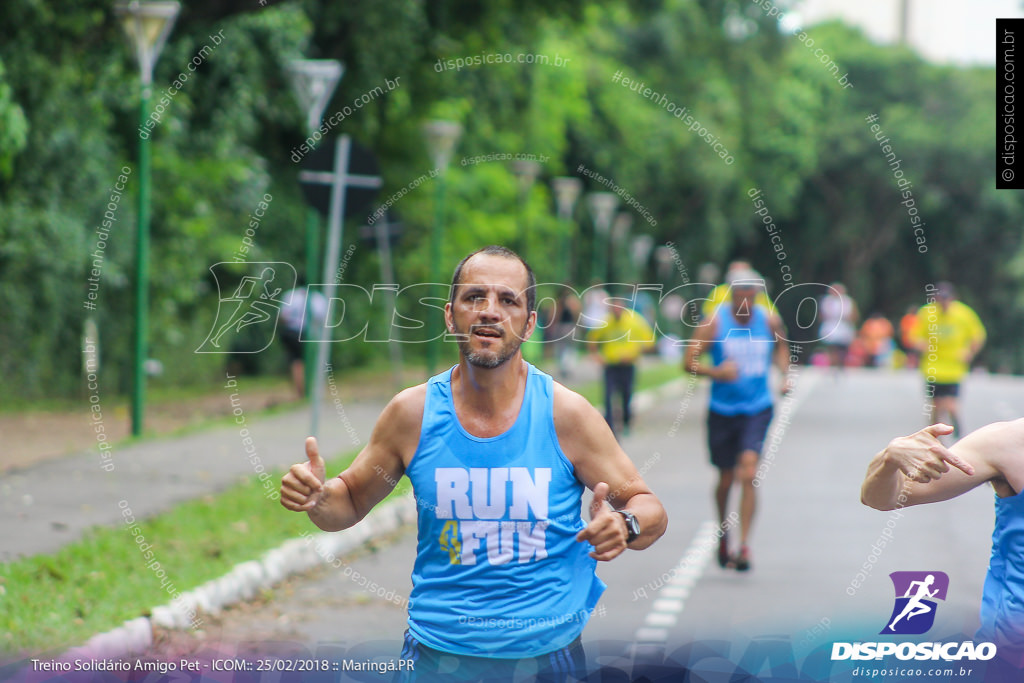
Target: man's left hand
607	529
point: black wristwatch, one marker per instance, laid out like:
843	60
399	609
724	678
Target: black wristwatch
632	526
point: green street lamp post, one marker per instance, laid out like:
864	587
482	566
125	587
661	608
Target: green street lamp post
526	173
147	24
567	191
639	252
602	208
313	82
620	236
441	137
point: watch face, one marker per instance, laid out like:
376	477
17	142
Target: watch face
632	526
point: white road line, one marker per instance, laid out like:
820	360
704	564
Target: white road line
667	605
661	619
651	635
784	413
678	592
676	585
806	382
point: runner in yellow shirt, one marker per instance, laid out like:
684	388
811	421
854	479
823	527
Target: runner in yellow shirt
948	334
617	346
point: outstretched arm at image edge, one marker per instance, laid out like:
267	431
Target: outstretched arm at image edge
918	469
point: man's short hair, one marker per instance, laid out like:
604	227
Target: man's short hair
745	279
505	252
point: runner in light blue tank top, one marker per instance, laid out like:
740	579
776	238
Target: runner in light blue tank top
499	456
498	512
740	337
1002	601
750	347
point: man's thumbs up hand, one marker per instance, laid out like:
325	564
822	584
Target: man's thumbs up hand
598	504
303	485
316	463
607	529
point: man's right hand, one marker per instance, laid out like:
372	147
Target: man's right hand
922	457
727	371
303	485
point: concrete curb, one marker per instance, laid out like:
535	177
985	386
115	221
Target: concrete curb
244	582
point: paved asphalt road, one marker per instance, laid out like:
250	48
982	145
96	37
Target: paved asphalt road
812	537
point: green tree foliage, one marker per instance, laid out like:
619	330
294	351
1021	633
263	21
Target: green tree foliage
68	124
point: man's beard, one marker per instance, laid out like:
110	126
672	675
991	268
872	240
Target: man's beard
489	359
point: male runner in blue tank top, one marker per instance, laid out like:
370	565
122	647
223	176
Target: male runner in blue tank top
741	336
498	455
915	469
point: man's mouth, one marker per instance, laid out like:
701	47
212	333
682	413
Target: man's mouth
488	332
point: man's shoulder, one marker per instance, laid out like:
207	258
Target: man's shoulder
568	404
411	397
637	318
962	310
405	410
579	427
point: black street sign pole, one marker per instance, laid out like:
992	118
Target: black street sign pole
382	233
339	179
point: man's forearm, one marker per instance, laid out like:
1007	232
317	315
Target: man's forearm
882	485
335	510
692	364
782	361
650	515
782	354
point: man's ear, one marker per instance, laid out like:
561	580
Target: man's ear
448	321
531	325
449	325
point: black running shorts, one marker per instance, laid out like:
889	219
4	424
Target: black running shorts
730	435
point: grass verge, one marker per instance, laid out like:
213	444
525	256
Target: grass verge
49	603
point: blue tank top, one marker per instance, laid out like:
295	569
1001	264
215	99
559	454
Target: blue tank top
498	569
750	347
1002	601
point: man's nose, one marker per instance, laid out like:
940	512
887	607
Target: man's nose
489	309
